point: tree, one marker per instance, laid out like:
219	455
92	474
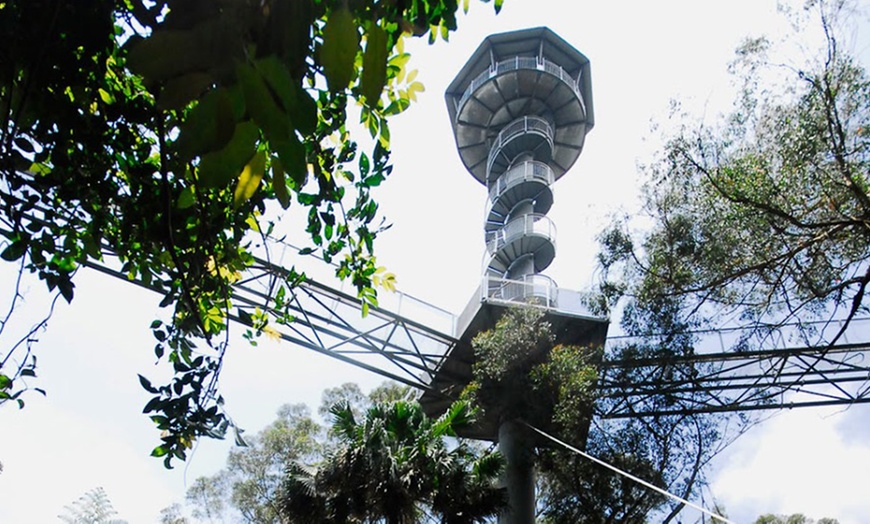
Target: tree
761	220
113	144
172	515
519	375
756	222
94	507
796	518
249	489
247	486
394	465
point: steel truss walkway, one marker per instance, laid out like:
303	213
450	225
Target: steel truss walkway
407	340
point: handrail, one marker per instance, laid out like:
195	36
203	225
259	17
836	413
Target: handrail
521	126
536	287
538	63
532	223
524	172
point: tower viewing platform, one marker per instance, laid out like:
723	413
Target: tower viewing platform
520	109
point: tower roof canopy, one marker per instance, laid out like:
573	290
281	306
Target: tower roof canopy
534	42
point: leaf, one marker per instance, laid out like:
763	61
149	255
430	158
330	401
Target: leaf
159	451
292	155
156	57
147	384
413	89
279	183
272	333
14	251
66	287
290	34
299	106
180	91
186	199
249	179
374	72
218	168
208	126
340	45
261	105
498	4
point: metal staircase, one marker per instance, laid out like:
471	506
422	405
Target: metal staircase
520	110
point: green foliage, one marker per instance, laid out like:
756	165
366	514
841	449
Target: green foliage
796	518
757	222
394	465
759	219
113	141
519	374
253	473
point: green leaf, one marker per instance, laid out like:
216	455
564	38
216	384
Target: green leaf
374	73
66	287
340	46
159	451
279	183
292	155
498	4
208	126
14	251
186	199
5	382
249	179
156	57
299	106
180	91
261	105
219	168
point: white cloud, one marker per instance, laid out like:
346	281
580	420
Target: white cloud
797	462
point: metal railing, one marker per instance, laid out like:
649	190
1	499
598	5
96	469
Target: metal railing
521	126
530	289
530	170
521	62
525	225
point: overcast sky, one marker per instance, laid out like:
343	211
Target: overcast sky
89	431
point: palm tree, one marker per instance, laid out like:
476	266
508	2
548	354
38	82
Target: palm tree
395	466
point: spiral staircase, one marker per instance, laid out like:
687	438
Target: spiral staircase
520	109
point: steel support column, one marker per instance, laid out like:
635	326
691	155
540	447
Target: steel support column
517	446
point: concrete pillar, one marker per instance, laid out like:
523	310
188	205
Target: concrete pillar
515	444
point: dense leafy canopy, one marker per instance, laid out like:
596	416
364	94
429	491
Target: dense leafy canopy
395	466
519	374
167	138
380	458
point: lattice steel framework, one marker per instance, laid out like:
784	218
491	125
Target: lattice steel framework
407	340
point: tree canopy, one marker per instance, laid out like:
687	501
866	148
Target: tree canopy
169	138
757	221
379	458
760	219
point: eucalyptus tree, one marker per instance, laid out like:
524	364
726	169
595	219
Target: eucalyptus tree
115	143
761	219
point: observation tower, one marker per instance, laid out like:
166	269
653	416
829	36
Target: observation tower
520	110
